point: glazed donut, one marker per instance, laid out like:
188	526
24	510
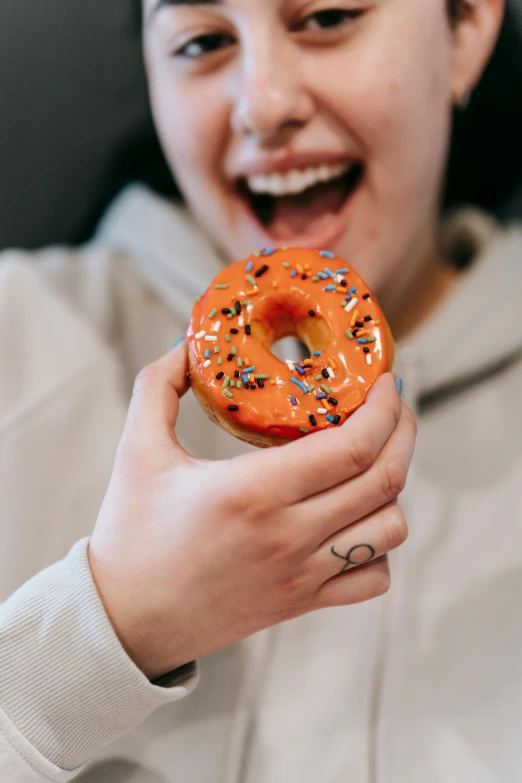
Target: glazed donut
309	294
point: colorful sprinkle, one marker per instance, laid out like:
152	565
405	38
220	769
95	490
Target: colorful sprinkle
286	265
293	273
226	382
351	304
329	288
239	361
312	420
249	369
201	334
207	353
352	290
233	408
322	411
293	400
315	279
228	393
219	376
300	384
311	388
250	280
221	286
343	271
317	353
322	276
311	313
211	338
331	372
361	340
263	376
370	339
228	338
330	418
217	326
269	251
326	254
303	430
197	299
249	266
349	334
212	313
299	369
368	358
321	396
261	271
329	272
325	388
207	363
220	360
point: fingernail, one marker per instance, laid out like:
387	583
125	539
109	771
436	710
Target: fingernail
398	382
178	342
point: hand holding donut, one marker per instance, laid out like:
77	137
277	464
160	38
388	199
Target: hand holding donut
190	556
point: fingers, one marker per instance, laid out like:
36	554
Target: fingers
155	399
310	466
352	587
366	540
364	494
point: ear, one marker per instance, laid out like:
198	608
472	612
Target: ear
474	39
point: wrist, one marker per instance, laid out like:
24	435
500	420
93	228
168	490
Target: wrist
140	629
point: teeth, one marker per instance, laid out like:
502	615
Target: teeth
295	181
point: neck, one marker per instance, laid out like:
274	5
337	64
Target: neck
421	295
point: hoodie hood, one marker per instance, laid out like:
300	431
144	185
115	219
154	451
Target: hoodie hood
477	328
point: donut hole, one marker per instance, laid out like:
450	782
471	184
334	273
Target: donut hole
281	318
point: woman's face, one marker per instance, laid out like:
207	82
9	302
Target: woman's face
317	123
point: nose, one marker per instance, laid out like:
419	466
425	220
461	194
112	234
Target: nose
270	100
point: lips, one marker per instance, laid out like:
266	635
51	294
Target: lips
301	204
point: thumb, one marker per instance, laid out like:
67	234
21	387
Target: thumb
154	406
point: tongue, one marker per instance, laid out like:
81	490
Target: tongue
305	212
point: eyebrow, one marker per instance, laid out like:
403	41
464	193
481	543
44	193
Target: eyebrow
164	3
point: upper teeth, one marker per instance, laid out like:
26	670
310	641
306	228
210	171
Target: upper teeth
295	181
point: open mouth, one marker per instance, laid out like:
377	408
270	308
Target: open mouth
300	201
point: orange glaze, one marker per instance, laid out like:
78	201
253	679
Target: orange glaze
279	306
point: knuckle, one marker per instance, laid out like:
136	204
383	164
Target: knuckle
393	479
145	374
360	456
382	581
396	530
410	418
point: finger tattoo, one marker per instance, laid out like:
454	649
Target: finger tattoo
363	552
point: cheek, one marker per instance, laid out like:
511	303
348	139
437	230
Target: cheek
192	137
394	97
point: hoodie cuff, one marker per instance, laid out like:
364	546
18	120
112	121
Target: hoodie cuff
66	683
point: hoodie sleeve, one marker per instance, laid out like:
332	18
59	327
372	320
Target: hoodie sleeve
67	687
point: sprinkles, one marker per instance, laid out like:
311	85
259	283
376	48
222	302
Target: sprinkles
324	379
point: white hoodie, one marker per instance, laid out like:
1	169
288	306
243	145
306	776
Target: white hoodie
421	686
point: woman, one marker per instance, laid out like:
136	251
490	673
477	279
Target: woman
252	113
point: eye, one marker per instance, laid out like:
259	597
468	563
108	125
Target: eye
204	45
330	19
